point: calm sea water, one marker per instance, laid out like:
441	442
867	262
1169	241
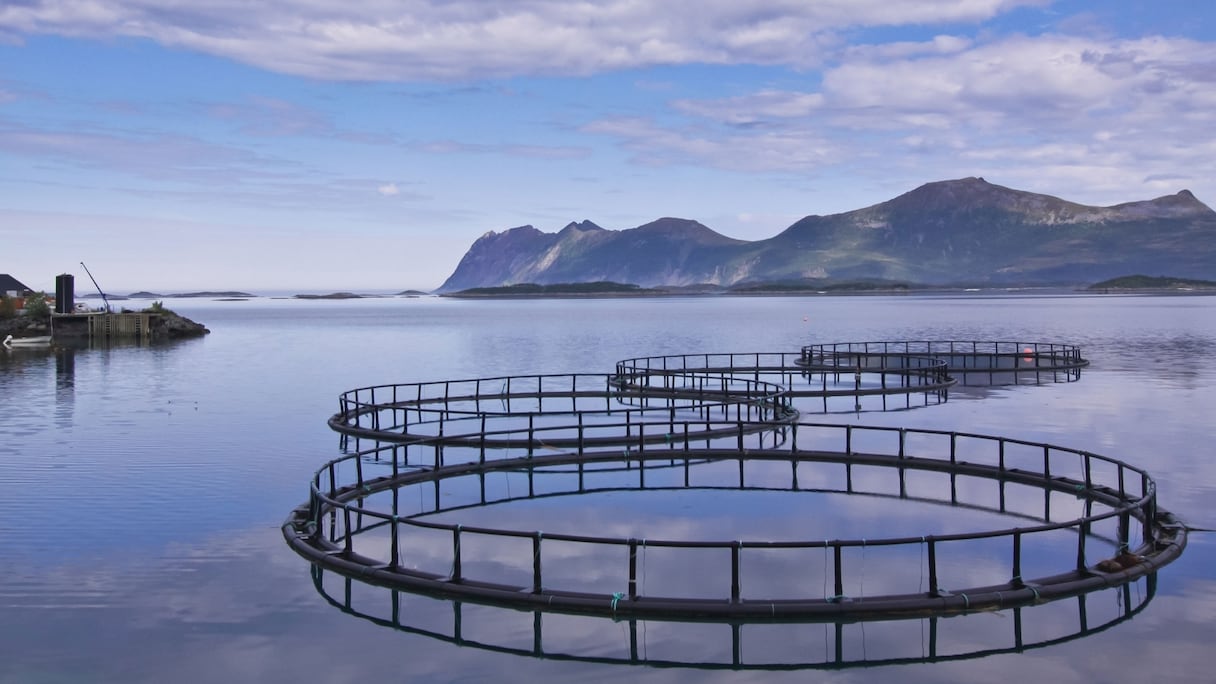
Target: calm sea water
145	487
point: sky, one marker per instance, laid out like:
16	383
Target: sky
315	146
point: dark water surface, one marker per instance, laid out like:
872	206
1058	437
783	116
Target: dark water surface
144	490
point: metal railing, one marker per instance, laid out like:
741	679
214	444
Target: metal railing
695	410
405	412
326	531
905	375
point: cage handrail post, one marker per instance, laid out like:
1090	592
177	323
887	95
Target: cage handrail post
633	569
934	590
348	541
482	439
394	543
536	582
734	571
1082	534
839	579
1016	580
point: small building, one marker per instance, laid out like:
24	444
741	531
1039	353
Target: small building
14	290
11	287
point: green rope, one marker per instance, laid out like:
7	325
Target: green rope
966	602
616	598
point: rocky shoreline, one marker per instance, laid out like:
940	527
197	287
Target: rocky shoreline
165	326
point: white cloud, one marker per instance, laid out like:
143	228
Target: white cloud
444	39
778	150
264	116
940	45
755	107
388	189
1049	112
528	151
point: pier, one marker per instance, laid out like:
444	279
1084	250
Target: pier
103	326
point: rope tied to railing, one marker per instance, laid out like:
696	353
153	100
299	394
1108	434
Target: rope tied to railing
616	598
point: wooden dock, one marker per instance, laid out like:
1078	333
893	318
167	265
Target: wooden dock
102	326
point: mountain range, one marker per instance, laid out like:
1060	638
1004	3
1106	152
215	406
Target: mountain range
965	231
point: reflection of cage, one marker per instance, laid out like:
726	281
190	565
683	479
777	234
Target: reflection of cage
790	646
651	416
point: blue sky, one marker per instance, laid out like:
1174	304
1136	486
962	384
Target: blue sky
312	146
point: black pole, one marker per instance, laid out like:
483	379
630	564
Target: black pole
103	294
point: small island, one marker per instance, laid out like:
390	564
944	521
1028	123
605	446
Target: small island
227	294
613	289
334	295
596	289
1143	283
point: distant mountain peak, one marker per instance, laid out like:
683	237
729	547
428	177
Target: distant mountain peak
949	231
583	226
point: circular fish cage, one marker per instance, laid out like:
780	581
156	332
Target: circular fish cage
561	411
969	362
666	423
872	386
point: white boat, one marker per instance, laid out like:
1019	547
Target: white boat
44	341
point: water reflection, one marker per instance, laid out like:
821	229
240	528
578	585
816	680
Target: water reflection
737	645
146	547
